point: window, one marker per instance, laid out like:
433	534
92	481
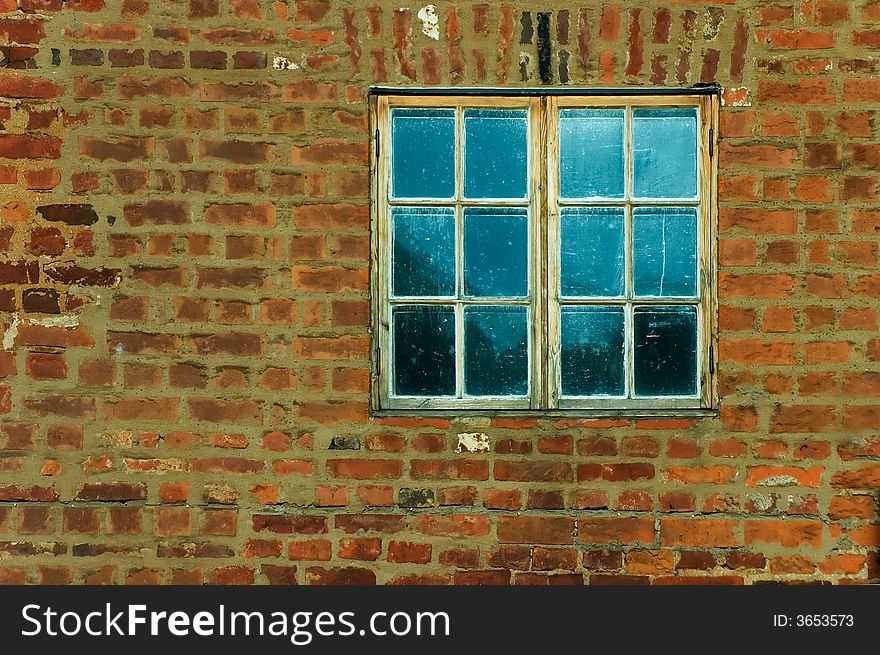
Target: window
552	253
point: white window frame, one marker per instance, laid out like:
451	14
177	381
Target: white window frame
543	206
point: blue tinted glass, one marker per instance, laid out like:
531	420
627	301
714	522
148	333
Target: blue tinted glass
665	351
665	153
591	153
496	356
665	251
591	251
495	153
495	251
424	251
592	351
424	350
423	153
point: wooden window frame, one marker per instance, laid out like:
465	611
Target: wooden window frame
543	206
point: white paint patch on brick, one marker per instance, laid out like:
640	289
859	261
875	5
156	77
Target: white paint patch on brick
66	321
62	321
738	97
10	334
162	466
280	63
472	442
761	502
117	438
430	22
779	481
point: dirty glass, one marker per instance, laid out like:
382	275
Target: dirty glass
496	351
495	153
665	351
424	251
591	153
665	251
665	152
424	350
592	351
591	251
423	153
495	251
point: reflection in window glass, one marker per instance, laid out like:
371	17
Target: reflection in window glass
591	153
592	351
496	361
424	350
665	152
592	251
495	251
423	153
665	351
496	153
424	251
665	251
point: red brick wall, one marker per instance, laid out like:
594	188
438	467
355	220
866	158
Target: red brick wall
184	293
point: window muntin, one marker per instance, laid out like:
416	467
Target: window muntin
547	280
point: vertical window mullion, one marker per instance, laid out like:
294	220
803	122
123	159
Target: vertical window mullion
459	253
540	284
550	247
629	346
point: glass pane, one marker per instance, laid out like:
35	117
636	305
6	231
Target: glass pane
665	355
591	153
592	351
665	153
496	152
496	251
423	153
496	356
592	256
424	251
665	251
424	350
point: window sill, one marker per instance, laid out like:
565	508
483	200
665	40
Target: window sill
700	413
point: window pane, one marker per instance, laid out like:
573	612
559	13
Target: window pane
423	153
665	153
665	251
496	152
424	251
496	356
592	256
424	350
665	355
495	251
591	153
592	351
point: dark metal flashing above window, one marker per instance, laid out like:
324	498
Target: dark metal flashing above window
697	89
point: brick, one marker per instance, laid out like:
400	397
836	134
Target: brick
452	525
766	156
236	151
717	474
532	471
802	418
337	216
797	39
621	531
788	534
535	530
365	469
718	533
